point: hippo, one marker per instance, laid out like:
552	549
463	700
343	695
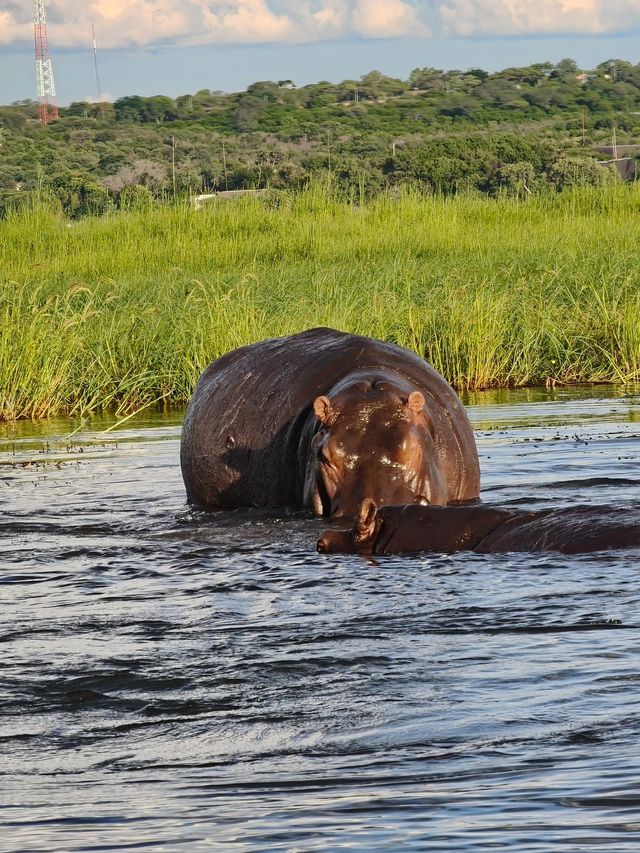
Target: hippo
321	420
484	529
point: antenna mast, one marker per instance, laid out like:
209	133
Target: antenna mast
45	86
95	62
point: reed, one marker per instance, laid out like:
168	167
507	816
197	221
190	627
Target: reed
126	310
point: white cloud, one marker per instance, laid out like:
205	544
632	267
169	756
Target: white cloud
242	22
137	23
386	19
123	23
536	17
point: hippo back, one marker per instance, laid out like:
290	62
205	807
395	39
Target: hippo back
442	529
571	530
247	428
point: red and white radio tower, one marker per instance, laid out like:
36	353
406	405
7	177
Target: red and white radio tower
44	72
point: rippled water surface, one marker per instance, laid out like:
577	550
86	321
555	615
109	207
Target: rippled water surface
174	680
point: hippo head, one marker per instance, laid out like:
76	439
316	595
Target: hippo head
359	539
375	440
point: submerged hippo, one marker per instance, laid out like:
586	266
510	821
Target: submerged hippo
321	420
484	529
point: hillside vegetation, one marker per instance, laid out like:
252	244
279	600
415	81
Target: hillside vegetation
519	131
126	310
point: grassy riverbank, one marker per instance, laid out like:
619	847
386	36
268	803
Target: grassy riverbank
126	310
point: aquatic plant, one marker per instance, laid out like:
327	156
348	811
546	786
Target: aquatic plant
127	309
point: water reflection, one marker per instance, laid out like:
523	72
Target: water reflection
185	680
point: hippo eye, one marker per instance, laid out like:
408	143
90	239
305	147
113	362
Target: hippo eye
336	448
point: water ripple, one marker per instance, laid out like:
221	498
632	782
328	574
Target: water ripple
180	680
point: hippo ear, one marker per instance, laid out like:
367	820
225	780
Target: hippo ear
415	402
322	409
366	522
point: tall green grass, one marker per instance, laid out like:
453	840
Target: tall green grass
125	311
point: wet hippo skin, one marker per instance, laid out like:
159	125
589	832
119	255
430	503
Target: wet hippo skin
322	420
484	529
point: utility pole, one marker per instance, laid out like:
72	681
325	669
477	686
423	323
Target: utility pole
224	164
45	85
173	164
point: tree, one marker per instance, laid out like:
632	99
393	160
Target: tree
80	194
265	89
427	78
13	119
565	68
376	85
245	117
158	109
130	108
135	197
450	125
517	178
531	75
579	172
478	72
144	173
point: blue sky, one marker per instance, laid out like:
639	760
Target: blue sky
178	46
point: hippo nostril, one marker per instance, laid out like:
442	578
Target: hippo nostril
322	546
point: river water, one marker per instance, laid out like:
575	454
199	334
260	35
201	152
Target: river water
174	680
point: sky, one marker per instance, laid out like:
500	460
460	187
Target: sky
176	47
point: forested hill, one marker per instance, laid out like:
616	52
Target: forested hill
520	130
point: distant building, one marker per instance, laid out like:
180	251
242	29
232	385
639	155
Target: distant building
627	167
622	157
619	150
